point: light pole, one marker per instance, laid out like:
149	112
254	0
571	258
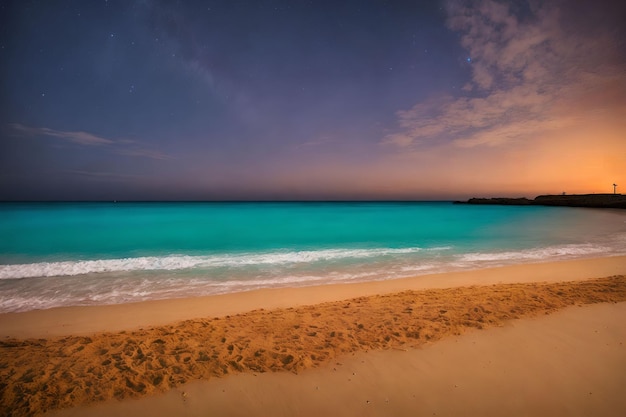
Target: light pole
614	188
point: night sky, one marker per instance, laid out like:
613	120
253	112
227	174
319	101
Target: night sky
210	100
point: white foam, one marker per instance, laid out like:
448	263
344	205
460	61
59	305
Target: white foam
244	272
117	291
417	268
179	262
566	251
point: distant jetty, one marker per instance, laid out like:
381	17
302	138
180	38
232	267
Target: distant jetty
574	200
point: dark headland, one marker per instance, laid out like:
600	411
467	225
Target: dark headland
574	200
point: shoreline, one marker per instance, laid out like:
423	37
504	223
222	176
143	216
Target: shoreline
84	320
279	333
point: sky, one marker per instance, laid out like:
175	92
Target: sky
311	100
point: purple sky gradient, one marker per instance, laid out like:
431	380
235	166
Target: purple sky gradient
212	100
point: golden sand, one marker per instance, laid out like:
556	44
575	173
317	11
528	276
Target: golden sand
38	375
569	363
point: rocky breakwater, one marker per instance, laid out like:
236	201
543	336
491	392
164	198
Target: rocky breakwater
583	200
574	200
499	201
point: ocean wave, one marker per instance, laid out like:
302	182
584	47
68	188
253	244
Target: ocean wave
180	262
72	287
551	252
118	291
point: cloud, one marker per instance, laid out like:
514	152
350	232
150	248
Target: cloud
78	137
120	146
322	140
144	153
100	175
526	71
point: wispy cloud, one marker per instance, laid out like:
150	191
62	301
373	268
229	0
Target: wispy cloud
119	146
525	74
322	140
143	153
78	137
100	175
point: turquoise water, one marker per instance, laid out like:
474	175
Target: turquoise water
98	253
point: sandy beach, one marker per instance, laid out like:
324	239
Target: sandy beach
570	363
396	347
313	208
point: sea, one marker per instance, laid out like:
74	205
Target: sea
78	254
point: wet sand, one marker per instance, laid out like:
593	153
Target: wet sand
67	365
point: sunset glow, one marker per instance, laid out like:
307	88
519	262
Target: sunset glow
283	100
